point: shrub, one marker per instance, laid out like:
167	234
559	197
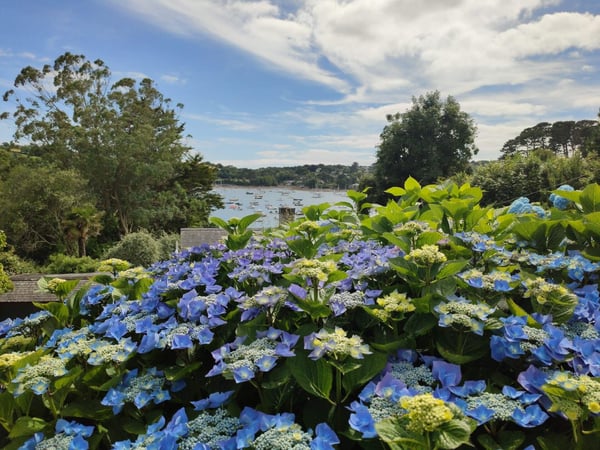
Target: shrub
14	264
168	243
430	323
5	281
60	263
139	248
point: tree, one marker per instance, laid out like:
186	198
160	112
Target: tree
125	139
564	138
533	175
432	140
80	224
34	202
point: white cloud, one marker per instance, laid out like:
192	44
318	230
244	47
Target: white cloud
509	63
259	28
384	47
131	74
172	79
553	33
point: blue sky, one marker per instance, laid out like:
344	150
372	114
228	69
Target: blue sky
291	82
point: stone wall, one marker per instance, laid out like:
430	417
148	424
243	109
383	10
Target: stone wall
191	237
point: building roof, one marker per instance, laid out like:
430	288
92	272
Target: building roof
26	289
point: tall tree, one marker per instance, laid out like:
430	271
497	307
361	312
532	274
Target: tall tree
125	139
80	224
564	138
433	139
34	202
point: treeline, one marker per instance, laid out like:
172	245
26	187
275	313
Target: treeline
312	176
563	138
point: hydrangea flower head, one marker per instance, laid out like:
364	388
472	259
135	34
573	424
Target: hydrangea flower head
392	306
68	435
37	377
336	344
425	413
498	281
313	269
241	361
427	255
139	389
463	315
113	265
561	202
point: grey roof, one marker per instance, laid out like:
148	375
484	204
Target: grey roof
26	289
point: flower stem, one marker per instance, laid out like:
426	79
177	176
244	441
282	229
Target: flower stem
338	386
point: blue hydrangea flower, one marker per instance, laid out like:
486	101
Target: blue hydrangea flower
561	202
139	389
279	431
214	400
241	361
68	435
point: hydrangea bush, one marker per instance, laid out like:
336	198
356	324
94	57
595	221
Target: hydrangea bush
427	323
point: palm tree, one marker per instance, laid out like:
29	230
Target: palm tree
81	224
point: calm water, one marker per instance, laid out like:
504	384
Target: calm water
242	201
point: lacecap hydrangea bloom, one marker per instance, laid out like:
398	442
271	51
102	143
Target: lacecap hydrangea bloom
139	389
38	376
580	396
463	315
280	432
313	269
67	435
392	306
511	404
497	280
241	361
336	344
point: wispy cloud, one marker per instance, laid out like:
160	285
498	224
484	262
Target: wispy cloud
229	123
173	79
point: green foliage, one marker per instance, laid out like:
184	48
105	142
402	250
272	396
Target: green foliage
61	263
81	224
238	233
389	327
34	202
563	138
334	176
124	141
139	248
432	140
168	243
5	281
533	176
14	265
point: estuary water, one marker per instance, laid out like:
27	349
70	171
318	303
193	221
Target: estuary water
242	201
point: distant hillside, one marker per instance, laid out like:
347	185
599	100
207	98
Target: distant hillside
312	176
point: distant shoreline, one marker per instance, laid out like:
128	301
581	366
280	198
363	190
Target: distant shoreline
282	187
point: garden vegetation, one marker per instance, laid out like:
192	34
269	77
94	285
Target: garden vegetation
431	322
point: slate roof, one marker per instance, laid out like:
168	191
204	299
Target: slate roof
26	289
